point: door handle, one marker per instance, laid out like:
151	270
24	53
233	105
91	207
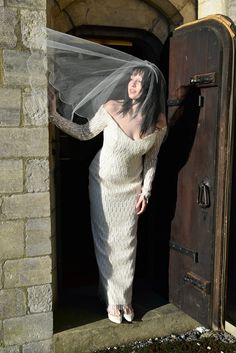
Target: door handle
204	199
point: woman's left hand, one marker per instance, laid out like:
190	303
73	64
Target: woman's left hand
141	204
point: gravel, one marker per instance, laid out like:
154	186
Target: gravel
199	340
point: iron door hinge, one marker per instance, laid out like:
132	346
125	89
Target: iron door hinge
184	251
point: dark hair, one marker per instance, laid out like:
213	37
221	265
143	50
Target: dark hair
152	89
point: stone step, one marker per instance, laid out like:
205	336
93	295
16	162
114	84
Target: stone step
99	332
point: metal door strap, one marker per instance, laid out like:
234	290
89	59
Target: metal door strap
198	282
184	251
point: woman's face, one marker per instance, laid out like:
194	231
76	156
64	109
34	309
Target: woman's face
135	85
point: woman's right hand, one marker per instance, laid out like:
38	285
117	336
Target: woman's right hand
52	102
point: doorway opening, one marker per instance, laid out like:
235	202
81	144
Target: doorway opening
78	303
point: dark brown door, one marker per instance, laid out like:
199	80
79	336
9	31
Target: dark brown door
199	109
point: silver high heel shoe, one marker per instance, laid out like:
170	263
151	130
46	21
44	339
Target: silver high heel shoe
114	315
128	313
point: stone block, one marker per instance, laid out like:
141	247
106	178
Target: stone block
33	29
12	303
8	20
64	3
179	4
232	10
135	14
23	68
11	349
189	12
32	4
25	206
35	109
40	298
28	142
38	347
37	175
62	22
1	335
38	233
27	272
11	176
36	327
160	29
10	105
1	279
11	239
209	7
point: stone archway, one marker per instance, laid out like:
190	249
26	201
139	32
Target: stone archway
155	16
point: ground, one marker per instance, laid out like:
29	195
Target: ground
200	340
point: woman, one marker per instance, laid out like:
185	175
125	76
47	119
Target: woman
120	179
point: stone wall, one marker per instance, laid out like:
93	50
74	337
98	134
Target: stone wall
25	223
210	7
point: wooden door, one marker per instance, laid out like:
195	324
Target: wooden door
200	112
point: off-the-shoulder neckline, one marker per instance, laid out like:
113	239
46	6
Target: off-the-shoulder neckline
134	140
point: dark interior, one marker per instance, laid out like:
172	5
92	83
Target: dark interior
77	268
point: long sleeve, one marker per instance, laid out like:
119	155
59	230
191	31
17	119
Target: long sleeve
82	132
150	161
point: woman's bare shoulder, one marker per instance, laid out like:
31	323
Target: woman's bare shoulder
112	106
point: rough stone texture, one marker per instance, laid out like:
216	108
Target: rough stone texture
33	29
11	239
131	14
232	10
12	349
188	12
1	335
179	4
8	22
24	69
38	347
28	142
11	176
25	205
38	233
10	104
37	175
1	279
64	3
40	298
209	7
160	29
28	328
35	108
27	272
40	4
62	23
12	303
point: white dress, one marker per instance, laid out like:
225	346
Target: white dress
120	171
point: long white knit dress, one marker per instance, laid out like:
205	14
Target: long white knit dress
119	172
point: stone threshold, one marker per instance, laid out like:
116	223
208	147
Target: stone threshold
100	333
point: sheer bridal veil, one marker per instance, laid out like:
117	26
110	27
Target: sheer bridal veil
86	74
